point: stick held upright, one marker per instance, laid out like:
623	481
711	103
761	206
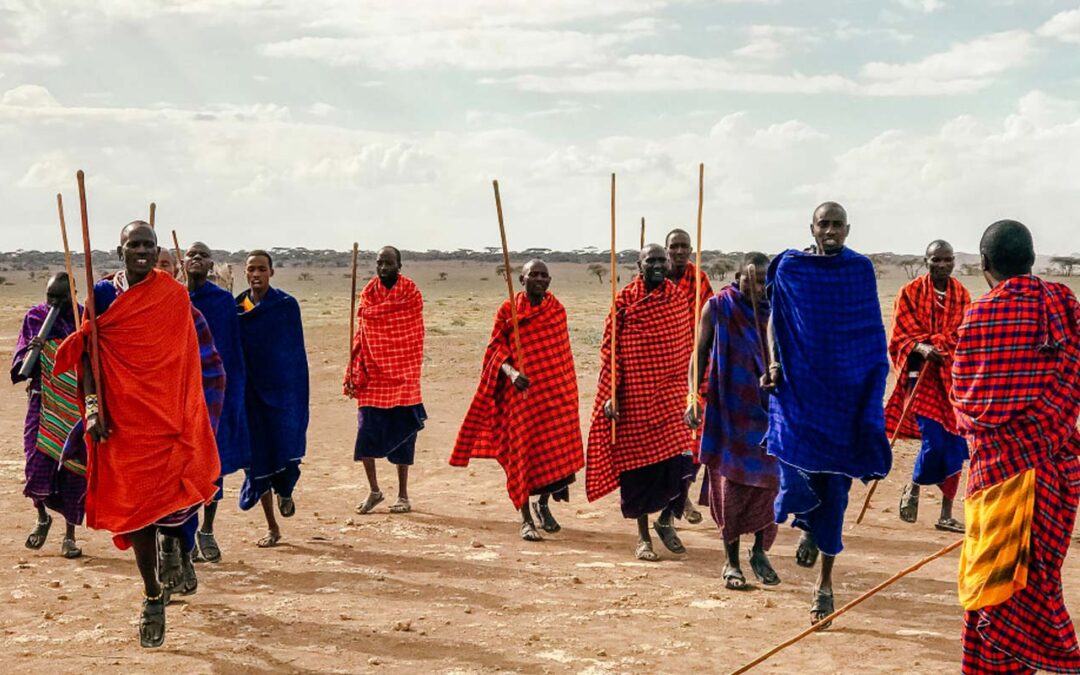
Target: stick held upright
68	267
352	312
509	282
614	315
91	308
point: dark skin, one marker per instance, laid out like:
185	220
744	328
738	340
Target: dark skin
679	248
166	262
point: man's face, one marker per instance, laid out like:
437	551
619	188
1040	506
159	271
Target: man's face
166	263
258	272
753	284
830	229
387	266
57	292
679	249
653	262
536	279
139	251
941	261
198	261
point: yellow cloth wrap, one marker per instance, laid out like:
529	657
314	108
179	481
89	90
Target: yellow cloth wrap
247	304
997	544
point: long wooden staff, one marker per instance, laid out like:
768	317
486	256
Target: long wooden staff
642	232
67	262
693	394
91	309
509	282
859	600
614	316
895	434
352	311
153	213
179	256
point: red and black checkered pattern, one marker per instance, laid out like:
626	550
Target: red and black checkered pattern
388	348
918	318
686	287
535	437
653	357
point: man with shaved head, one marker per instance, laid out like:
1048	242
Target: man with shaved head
233	443
167	263
827	379
926	316
383	375
1016	392
646	457
535	437
153	460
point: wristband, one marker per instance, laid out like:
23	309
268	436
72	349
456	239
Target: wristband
91	402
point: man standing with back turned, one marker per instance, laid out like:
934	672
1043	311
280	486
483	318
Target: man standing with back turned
1016	390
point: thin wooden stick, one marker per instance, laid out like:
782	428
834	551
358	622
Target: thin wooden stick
352	310
642	232
509	282
67	262
693	394
614	315
859	600
179	255
91	309
751	270
153	213
895	435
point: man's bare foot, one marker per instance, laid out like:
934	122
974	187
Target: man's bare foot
645	552
37	538
69	549
806	554
402	505
270	540
529	533
734	579
373	499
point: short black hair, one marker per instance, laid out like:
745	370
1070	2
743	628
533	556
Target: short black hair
674	232
1008	248
755	258
259	252
397	253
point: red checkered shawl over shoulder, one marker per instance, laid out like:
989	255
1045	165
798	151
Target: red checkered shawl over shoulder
535	437
686	287
388	348
918	318
653	356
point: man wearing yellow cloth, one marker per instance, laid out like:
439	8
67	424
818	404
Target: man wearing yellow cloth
1016	392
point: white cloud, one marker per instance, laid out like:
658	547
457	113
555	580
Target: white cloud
1064	26
924	6
28	96
773	42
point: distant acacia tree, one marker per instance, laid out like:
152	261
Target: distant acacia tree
970	270
599	270
442	276
911	265
1066	263
720	268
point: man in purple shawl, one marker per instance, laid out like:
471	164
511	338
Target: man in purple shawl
741	478
827	380
51	413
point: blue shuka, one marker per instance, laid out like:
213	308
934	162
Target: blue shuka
826	418
219	310
276	393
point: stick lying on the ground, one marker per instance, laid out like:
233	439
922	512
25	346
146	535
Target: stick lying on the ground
865	596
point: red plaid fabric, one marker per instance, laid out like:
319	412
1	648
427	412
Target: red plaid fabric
388	349
653	345
918	318
686	287
536	438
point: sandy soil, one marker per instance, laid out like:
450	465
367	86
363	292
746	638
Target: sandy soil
451	588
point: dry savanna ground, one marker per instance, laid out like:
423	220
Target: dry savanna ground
451	588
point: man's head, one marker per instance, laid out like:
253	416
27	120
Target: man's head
1007	251
138	249
535	278
259	268
388	264
198	261
830	228
166	262
679	247
940	260
654	264
57	291
753	284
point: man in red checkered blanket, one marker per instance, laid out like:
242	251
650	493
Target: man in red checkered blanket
536	437
927	313
1016	390
384	376
649	460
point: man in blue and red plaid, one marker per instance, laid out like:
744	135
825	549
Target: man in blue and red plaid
1016	391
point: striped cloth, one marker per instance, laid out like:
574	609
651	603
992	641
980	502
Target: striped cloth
653	345
59	409
536	437
388	348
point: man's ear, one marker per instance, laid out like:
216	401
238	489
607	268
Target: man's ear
984	262
120	253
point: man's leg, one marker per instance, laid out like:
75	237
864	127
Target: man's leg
644	548
946	522
402	504
37	538
375	495
909	503
528	527
734	579
152	622
823	591
273	533
759	559
665	529
70	549
543	513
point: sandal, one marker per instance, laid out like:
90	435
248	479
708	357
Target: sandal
669	537
547	521
529	533
207	546
734	579
373	500
189	583
762	568
152	622
645	552
36	539
286	506
950	525
693	516
402	505
170	573
909	504
806	554
270	540
821	608
69	549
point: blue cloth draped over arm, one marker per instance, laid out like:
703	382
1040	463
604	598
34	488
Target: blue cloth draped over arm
827	415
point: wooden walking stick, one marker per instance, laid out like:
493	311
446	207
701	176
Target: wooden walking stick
896	434
693	394
614	315
857	601
642	232
352	312
153	212
179	255
67	261
91	310
509	282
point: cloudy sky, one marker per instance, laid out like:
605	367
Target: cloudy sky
258	123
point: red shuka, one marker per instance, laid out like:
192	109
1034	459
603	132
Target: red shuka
160	456
537	437
686	286
918	318
388	348
653	355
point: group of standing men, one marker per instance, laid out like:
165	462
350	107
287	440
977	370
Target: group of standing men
787	391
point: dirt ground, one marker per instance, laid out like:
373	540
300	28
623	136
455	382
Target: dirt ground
451	588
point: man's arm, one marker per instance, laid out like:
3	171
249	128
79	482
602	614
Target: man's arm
706	333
